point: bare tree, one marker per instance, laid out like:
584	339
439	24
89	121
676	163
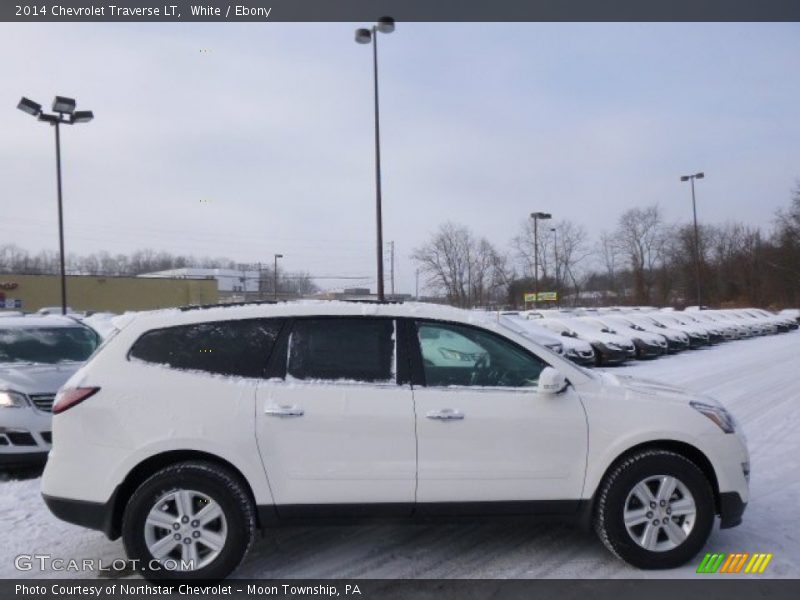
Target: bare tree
466	269
641	237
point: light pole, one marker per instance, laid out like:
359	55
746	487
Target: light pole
691	178
555	257
64	113
537	216
275	276
366	36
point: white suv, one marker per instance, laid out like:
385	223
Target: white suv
192	428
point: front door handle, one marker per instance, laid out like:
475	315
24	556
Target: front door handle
284	411
446	414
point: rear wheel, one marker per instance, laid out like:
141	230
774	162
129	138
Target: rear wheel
192	520
655	510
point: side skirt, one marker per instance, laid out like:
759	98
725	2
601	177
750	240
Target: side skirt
342	514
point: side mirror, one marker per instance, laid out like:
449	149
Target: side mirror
551	381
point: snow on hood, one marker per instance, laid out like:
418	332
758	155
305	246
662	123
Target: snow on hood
36	378
656	389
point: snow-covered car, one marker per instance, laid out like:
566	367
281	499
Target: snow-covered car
759	325
712	330
578	351
716	329
791	313
537	333
37	355
190	429
609	348
698	336
647	344
676	340
730	328
784	324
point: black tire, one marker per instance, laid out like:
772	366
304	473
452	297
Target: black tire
213	480
619	483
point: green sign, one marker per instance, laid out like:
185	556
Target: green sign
542	297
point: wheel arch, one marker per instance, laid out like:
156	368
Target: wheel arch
688	451
155	463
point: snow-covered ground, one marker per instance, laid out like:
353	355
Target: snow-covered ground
759	380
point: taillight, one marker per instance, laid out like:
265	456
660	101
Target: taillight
72	396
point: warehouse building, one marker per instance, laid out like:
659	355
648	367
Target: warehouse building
29	293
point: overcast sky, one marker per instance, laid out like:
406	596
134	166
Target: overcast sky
243	140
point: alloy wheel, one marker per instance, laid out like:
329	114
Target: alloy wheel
659	513
186	526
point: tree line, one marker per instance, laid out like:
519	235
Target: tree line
644	260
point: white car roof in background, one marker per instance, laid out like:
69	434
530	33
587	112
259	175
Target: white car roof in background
38	321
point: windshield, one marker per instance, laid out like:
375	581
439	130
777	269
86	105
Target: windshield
46	345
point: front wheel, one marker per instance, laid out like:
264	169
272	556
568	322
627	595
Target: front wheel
192	520
655	510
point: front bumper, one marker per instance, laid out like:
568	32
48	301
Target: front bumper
609	356
675	345
585	360
12	460
645	350
731	509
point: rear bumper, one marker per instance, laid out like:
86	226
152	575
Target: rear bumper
731	509
92	515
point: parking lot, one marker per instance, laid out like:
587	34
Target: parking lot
757	379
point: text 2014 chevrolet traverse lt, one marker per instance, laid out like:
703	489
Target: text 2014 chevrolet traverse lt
191	429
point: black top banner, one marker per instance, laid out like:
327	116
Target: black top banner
402	10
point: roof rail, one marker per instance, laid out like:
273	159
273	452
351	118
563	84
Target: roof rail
224	305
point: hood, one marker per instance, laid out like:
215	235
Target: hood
36	379
656	389
575	344
605	338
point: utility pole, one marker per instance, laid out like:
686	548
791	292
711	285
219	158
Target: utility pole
391	267
416	286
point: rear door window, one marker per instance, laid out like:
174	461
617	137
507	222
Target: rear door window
237	348
342	349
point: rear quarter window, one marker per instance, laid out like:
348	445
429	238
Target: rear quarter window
235	348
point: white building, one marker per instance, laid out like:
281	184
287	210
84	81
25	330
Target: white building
229	281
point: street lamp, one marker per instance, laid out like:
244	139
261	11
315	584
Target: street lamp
64	113
275	276
537	216
691	178
555	257
366	36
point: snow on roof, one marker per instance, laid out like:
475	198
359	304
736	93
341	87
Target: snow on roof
176	316
35	321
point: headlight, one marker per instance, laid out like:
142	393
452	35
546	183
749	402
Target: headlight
10	399
719	415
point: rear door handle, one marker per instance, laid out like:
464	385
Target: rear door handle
446	414
284	411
